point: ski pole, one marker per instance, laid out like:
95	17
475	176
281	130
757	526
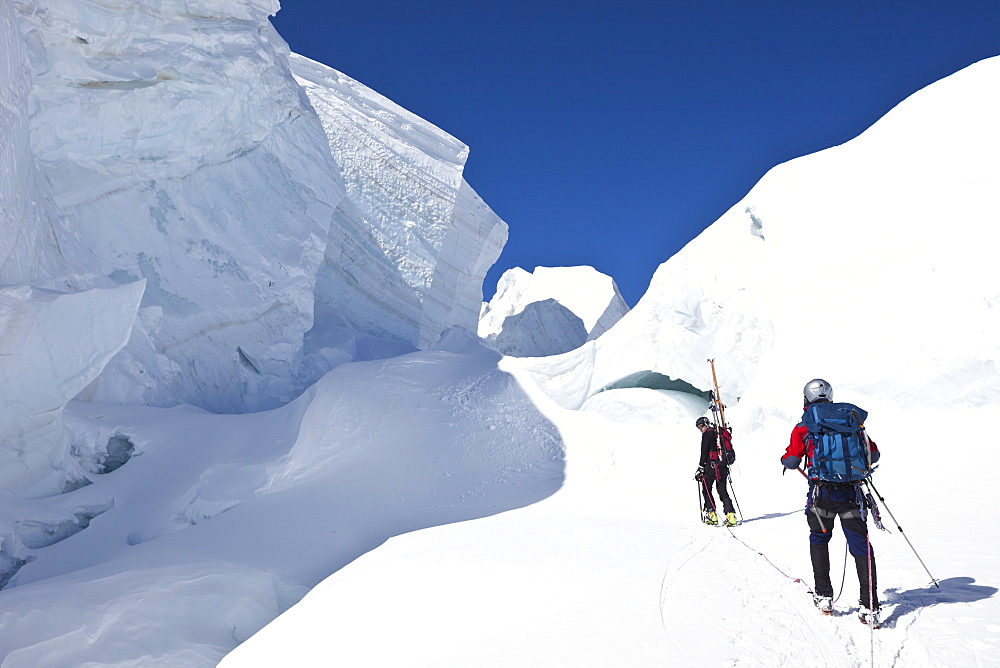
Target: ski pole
709	499
886	506
701	515
733	490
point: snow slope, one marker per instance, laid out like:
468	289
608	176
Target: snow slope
615	568
900	221
215	524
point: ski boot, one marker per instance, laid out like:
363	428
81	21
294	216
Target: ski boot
869	617
824	604
709	517
730	519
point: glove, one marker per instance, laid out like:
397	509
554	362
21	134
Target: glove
791	462
699	474
730	457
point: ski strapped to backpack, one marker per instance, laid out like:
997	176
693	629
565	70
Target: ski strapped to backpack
840	448
724	443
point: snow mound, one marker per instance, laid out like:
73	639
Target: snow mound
273	501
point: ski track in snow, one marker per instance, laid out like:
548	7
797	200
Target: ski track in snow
773	625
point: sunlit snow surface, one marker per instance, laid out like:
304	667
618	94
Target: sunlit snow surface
448	506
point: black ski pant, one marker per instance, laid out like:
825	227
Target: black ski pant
826	505
711	478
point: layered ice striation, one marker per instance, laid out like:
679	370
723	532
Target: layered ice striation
411	241
550	311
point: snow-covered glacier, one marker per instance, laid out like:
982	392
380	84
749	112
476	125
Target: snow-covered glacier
171	142
194	215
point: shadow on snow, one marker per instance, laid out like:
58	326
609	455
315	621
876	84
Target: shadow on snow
953	590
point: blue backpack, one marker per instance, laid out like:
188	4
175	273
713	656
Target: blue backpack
840	448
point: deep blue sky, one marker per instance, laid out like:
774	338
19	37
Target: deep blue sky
610	133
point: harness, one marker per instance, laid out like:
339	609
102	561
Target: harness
822	488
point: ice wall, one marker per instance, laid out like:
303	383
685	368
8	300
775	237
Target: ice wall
412	240
169	141
29	250
182	152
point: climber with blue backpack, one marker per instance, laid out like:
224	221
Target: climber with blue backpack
838	455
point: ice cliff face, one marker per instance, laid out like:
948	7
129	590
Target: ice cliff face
29	252
174	141
550	311
903	216
411	236
169	141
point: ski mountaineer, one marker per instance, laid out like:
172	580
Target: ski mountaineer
713	471
828	500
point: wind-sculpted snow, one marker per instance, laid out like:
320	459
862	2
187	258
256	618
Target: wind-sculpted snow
276	500
42	369
519	322
901	221
411	241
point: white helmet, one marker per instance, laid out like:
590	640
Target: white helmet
817	389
